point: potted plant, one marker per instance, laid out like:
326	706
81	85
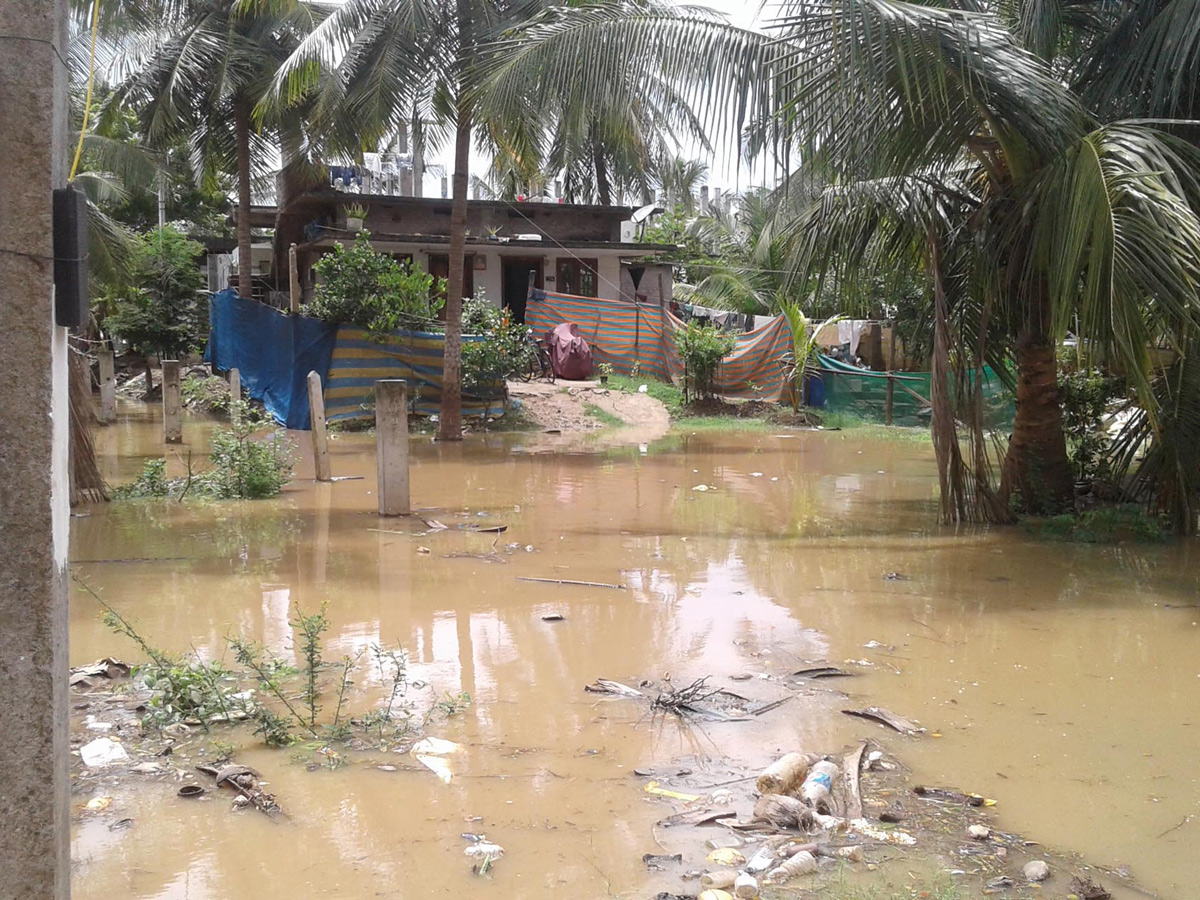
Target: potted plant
493	233
355	214
605	369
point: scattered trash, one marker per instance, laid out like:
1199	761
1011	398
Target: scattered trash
952	796
721	797
642	388
783	774
1086	889
817	789
1036	870
802	863
886	717
892	836
120	824
102	752
745	886
98	804
714	894
484	848
979	832
658	861
147	768
851	768
895	576
783	812
244	781
727	856
653	788
874	759
424	551
107	668
720	879
191	791
761	861
429	752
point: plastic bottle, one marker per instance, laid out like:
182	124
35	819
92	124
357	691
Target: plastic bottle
761	861
745	887
803	863
817	789
720	879
783	774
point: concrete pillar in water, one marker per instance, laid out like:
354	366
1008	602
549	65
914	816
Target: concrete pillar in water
108	387
320	437
293	282
34	493
172	409
391	446
235	395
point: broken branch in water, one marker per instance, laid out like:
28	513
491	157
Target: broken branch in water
596	584
851	767
244	780
886	717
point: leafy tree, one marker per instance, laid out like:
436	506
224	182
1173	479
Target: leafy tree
361	286
702	347
161	308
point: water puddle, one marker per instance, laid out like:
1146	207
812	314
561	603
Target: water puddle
1060	680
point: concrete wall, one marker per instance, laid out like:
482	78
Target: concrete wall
554	221
34	517
657	283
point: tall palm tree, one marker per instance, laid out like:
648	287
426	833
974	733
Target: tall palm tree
518	71
197	70
1071	214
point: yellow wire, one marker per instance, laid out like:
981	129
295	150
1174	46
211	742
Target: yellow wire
87	105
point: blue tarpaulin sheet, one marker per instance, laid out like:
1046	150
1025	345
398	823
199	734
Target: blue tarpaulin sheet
273	351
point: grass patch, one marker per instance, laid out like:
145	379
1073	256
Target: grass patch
603	416
667	394
1126	523
721	423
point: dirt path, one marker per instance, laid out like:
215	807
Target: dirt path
565	407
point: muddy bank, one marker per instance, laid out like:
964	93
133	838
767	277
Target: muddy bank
587	406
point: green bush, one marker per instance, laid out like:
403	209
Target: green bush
360	286
1085	395
702	347
160	308
240	467
206	393
504	351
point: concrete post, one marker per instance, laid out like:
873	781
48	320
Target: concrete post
293	282
391	446
172	407
320	437
445	187
235	395
34	493
108	387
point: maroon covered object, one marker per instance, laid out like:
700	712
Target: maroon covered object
570	354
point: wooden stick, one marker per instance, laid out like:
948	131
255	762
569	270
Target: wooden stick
597	584
851	766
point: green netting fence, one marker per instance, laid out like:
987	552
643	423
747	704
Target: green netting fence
865	394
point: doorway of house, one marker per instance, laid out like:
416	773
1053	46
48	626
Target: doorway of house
515	271
439	267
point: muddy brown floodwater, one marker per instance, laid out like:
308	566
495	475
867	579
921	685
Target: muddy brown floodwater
1063	680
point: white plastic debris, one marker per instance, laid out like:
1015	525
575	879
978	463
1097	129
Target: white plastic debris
643	389
429	752
700	487
102	752
481	849
866	829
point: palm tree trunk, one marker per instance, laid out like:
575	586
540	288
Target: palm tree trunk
241	124
450	422
603	191
1036	464
951	471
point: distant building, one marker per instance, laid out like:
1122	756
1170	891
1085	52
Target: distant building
586	250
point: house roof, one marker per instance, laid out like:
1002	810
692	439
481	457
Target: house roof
264	216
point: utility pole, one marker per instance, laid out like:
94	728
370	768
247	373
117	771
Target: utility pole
34	492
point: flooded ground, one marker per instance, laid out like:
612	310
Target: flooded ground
1061	680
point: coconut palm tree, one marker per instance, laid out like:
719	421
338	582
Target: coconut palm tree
1070	215
195	70
515	71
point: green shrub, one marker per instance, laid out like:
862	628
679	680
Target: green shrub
1085	395
160	307
244	468
702	347
360	286
151	483
504	351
